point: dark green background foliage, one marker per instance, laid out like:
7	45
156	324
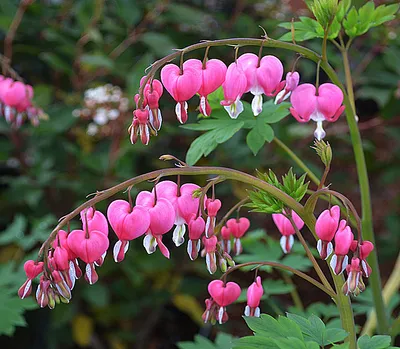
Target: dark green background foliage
64	47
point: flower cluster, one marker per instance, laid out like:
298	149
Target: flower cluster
329	227
223	294
103	105
16	102
249	73
152	215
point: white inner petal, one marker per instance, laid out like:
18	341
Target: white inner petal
256	104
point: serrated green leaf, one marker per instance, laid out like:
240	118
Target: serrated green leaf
375	342
350	22
12	309
207	142
202	144
255	342
343	7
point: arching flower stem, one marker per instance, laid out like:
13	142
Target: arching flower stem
310	256
226	173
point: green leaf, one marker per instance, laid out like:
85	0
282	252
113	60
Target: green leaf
255	140
384	13
11	310
222	341
273	113
314	329
375	342
343	8
207	142
350	22
255	342
276	287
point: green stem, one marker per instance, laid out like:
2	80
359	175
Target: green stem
225	173
367	225
343	303
283	267
310	256
266	42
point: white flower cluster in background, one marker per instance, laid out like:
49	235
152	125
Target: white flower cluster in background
102	104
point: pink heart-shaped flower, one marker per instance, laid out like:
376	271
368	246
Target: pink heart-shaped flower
181	86
162	217
33	269
329	99
96	220
127	223
222	294
90	248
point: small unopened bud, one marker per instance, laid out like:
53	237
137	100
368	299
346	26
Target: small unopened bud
229	259
324	151
223	265
324	11
167	157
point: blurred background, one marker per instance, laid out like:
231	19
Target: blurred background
74	53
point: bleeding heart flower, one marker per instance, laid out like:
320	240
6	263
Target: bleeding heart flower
263	76
226	239
223	295
184	203
238	228
213	75
162	217
364	249
88	246
181	85
343	240
210	247
32	270
286	229
254	295
322	105
152	93
212	206
128	223
325	228
140	126
234	86
292	81
196	229
354	283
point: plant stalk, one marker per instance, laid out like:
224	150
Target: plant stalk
367	225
